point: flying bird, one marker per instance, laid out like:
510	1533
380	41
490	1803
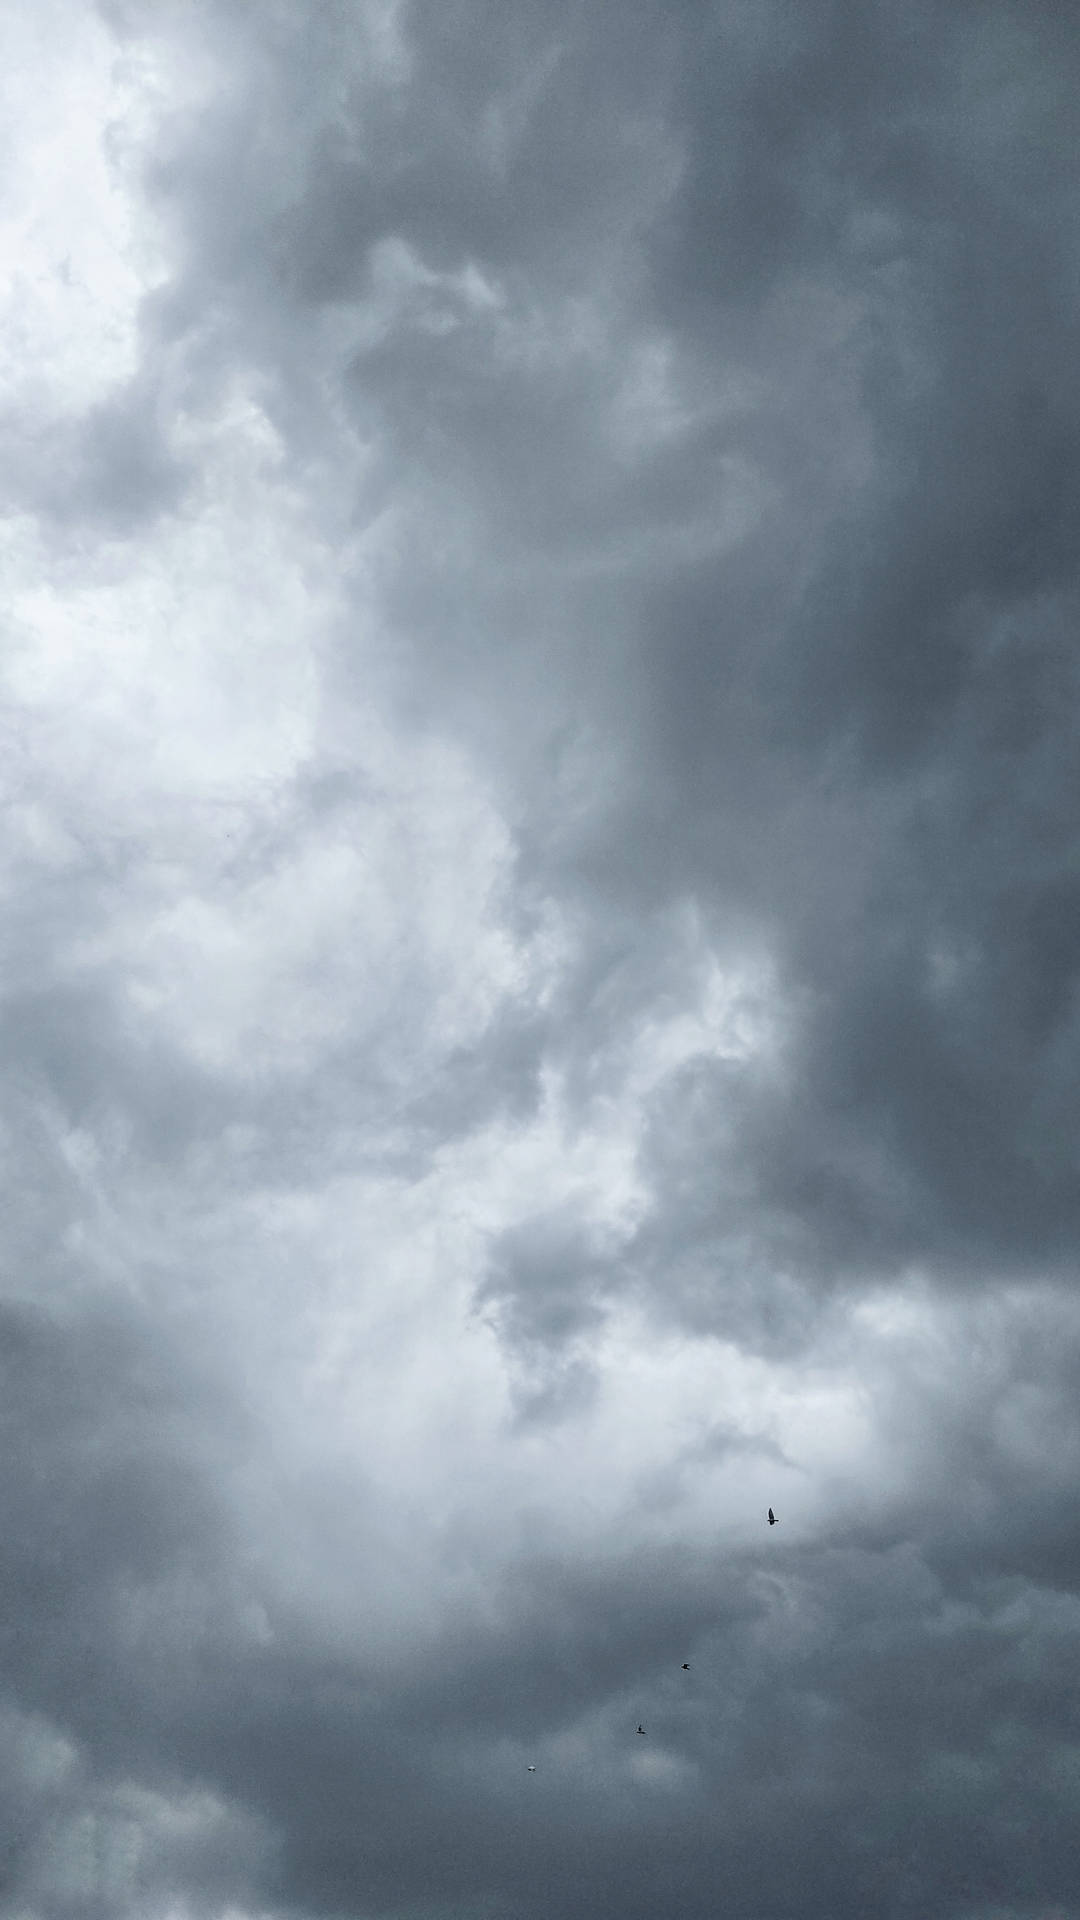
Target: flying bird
686	1666
641	1729
532	1769
772	1518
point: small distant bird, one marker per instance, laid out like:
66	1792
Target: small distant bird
532	1769
641	1729
772	1518
686	1666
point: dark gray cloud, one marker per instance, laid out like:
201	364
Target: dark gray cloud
541	940
109	472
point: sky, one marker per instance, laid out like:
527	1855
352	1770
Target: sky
541	939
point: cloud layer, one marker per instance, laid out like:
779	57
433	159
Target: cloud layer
541	939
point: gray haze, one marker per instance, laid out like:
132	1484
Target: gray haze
541	882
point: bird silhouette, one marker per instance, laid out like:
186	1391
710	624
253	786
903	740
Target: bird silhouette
772	1518
641	1729
532	1769
686	1666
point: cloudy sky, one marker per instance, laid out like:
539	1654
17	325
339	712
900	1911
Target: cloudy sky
541	939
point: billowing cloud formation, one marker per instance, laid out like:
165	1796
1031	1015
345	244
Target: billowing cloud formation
541	945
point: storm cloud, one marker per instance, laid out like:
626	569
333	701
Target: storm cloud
540	1015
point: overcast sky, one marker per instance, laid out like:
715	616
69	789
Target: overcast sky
541	939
